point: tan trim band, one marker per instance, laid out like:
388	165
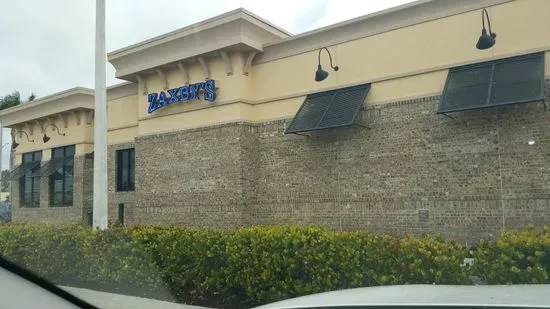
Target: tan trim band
375	80
122	127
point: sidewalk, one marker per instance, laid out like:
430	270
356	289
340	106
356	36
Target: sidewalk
116	301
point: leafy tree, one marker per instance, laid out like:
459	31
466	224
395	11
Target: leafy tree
10	100
5	183
14	99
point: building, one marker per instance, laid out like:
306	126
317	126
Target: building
201	132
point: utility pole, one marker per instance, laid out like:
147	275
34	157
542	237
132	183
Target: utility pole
100	207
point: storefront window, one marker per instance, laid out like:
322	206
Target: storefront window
29	186
125	170
61	181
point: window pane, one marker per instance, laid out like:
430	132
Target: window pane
22	191
58	186
38	156
58	174
27	157
36	192
28	199
69	151
28	184
68	190
132	168
57	199
57	153
125	164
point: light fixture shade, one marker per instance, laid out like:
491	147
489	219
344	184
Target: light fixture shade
320	74
46	138
14	145
485	40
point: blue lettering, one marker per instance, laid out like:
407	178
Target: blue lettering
162	100
152	98
184	93
210	90
174	97
194	91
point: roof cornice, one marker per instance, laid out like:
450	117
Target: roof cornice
368	25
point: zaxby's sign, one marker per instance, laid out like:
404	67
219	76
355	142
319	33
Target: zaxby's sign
182	94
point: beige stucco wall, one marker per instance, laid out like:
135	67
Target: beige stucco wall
403	63
122	119
125	110
444	42
75	134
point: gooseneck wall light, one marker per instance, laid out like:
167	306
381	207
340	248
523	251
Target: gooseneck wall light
321	74
15	144
46	138
486	40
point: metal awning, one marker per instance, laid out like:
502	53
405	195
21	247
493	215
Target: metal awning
494	83
51	167
329	109
22	170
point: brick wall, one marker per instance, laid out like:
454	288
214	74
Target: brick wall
412	171
115	197
45	213
193	178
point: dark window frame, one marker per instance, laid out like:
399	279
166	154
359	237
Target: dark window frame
125	175
67	154
34	200
492	64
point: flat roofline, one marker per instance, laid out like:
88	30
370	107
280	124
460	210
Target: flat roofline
202	24
48	98
122	84
405	15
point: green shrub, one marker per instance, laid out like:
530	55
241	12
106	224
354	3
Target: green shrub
515	257
257	265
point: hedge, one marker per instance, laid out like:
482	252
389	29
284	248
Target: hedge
258	265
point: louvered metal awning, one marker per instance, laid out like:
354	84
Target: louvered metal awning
495	83
51	167
329	109
22	170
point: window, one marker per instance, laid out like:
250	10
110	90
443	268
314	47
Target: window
125	169
29	185
61	177
494	83
121	213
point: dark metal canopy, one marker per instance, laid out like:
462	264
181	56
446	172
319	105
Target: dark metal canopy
495	83
51	167
22	170
329	109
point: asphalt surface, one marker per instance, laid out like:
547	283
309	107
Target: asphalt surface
116	301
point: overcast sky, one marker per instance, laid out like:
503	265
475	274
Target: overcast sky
48	46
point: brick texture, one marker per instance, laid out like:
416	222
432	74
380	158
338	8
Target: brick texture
45	213
474	174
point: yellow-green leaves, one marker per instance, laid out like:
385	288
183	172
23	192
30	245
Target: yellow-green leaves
256	265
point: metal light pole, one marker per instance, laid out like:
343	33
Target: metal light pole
100	208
